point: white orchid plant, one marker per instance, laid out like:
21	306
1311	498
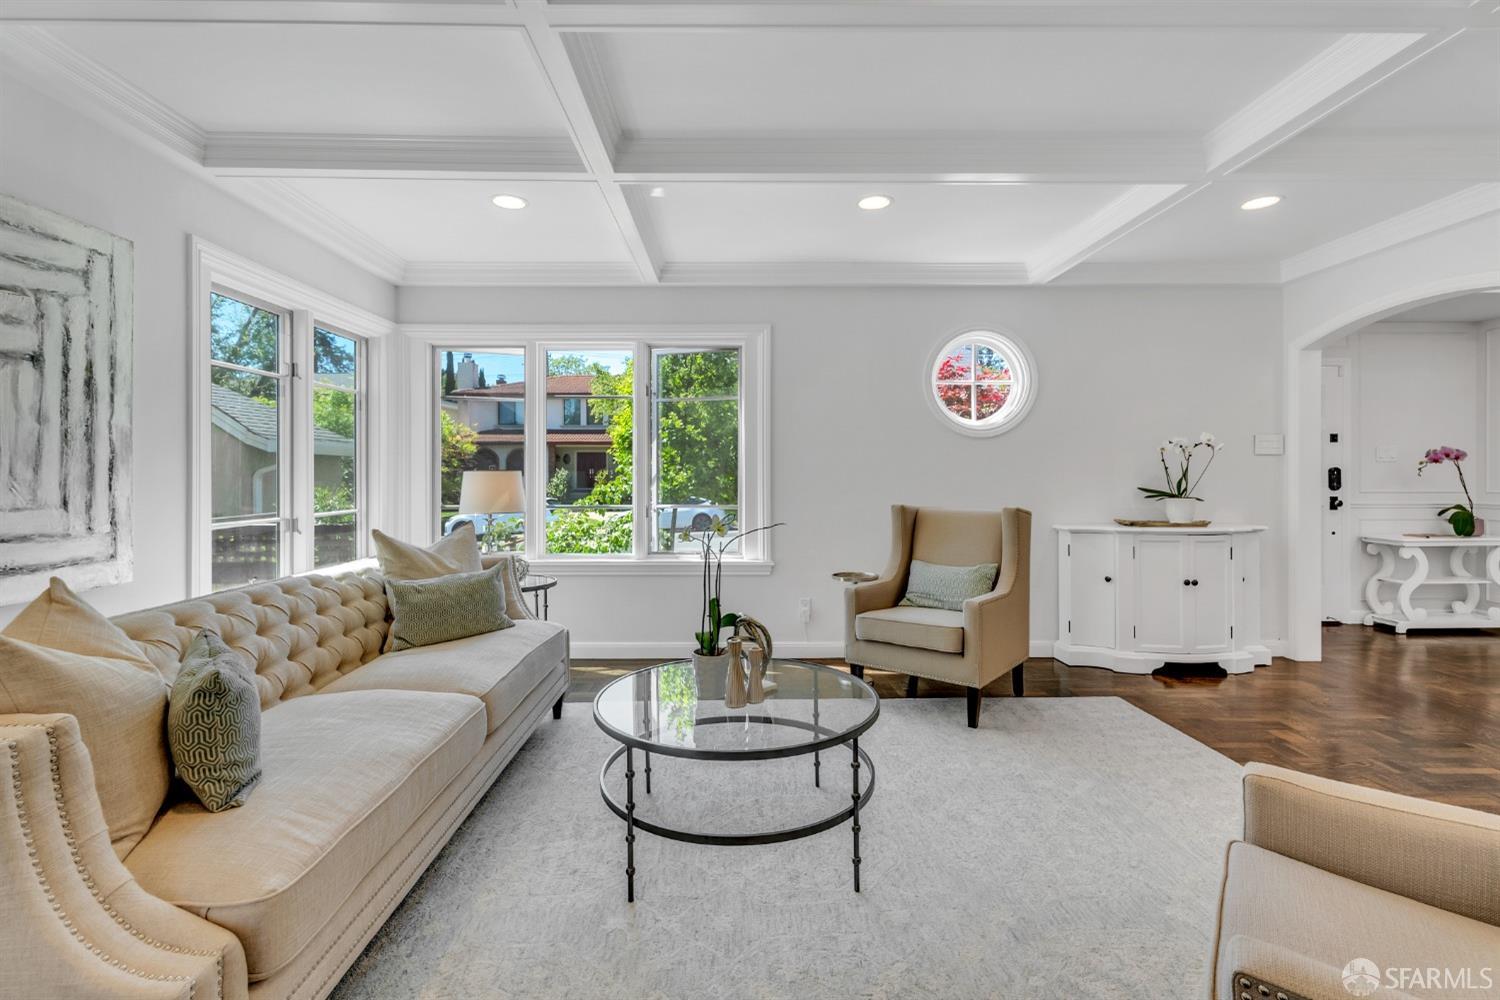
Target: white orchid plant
1182	484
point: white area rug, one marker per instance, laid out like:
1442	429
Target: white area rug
1070	848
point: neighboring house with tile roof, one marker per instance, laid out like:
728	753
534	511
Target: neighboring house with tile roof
577	433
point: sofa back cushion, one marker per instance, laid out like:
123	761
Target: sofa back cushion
298	633
60	655
957	537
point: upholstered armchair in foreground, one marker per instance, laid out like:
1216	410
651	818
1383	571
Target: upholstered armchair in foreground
1338	890
990	637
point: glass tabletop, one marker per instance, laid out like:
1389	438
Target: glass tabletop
677	709
537	581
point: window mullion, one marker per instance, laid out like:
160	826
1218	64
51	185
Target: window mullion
643	445
534	446
297	449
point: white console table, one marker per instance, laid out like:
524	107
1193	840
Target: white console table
1452	555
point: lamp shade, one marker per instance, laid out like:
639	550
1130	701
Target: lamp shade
492	493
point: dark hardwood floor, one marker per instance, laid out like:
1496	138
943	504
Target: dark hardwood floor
1417	714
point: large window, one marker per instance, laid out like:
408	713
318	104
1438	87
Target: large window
284	442
638	442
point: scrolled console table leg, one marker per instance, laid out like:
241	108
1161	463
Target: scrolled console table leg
1460	570
1492	572
1372	585
1411	583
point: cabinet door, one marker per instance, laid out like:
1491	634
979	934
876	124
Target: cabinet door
1161	597
1091	589
1213	594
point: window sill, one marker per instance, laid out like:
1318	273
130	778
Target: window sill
562	566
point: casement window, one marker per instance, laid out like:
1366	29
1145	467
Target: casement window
280	440
637	437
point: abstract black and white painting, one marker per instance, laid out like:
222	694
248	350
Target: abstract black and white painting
65	340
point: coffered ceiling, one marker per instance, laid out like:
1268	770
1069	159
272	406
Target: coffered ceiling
704	142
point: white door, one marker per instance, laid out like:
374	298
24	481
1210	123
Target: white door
1336	600
1212	590
1092	588
1162	593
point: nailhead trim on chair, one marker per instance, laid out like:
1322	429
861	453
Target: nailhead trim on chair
88	878
24	818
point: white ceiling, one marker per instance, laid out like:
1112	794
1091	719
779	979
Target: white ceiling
1021	141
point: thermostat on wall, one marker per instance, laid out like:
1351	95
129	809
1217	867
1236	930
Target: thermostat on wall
1270	444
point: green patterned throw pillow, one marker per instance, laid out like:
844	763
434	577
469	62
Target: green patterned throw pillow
930	585
213	723
425	612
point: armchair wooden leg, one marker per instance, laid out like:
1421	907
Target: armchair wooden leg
857	670
973	694
557	709
911	686
1018	680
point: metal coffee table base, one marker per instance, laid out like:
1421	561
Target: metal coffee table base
859	797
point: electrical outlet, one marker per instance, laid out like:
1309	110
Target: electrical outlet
804	610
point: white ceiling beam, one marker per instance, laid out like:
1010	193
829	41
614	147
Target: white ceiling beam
470	273
1012	157
487	13
1471	203
1394	155
594	145
1311	15
831	273
1332	78
250	154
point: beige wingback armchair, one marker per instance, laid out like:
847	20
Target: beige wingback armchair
990	637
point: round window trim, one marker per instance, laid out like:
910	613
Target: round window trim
1023	382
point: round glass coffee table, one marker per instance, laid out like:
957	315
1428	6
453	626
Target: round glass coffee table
676	710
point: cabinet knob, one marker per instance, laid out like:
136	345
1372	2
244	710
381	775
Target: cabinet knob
1109	579
1195	583
1187	583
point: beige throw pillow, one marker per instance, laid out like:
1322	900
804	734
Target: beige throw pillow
455	553
60	655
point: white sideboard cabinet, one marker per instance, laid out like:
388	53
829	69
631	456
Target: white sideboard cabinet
1132	599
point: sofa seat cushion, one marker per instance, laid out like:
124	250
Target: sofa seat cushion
344	776
499	668
1298	926
936	629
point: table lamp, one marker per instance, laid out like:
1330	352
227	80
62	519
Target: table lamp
492	493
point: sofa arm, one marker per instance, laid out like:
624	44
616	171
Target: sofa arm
76	922
1434	853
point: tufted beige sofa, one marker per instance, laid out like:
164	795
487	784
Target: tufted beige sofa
370	763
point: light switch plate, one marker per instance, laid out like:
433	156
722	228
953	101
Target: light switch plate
1270	444
1386	455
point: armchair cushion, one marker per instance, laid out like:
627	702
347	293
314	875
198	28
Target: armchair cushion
933	585
937	629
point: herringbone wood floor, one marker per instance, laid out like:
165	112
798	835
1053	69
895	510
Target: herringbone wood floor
1418	714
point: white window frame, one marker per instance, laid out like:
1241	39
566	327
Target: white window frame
1024	381
214	269
753	342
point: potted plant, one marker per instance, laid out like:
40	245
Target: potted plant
1460	516
1179	496
714	541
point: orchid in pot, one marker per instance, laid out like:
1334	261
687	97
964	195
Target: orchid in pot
1460	516
714	541
1182	485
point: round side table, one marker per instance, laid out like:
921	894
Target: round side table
539	586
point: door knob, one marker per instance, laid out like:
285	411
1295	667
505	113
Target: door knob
1334	503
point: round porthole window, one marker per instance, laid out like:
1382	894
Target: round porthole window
981	382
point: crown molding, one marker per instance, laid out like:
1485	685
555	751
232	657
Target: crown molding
1333	77
79	81
462	273
1463	206
1261	272
1026	157
1134	208
1395	154
232	154
292	208
832	273
465	13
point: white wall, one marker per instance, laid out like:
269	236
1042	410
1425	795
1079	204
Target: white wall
1410	387
55	157
851	432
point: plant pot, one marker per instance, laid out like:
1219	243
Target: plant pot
709	671
1180	510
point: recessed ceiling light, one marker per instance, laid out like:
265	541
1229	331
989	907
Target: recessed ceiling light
1264	201
658	192
874	202
511	201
